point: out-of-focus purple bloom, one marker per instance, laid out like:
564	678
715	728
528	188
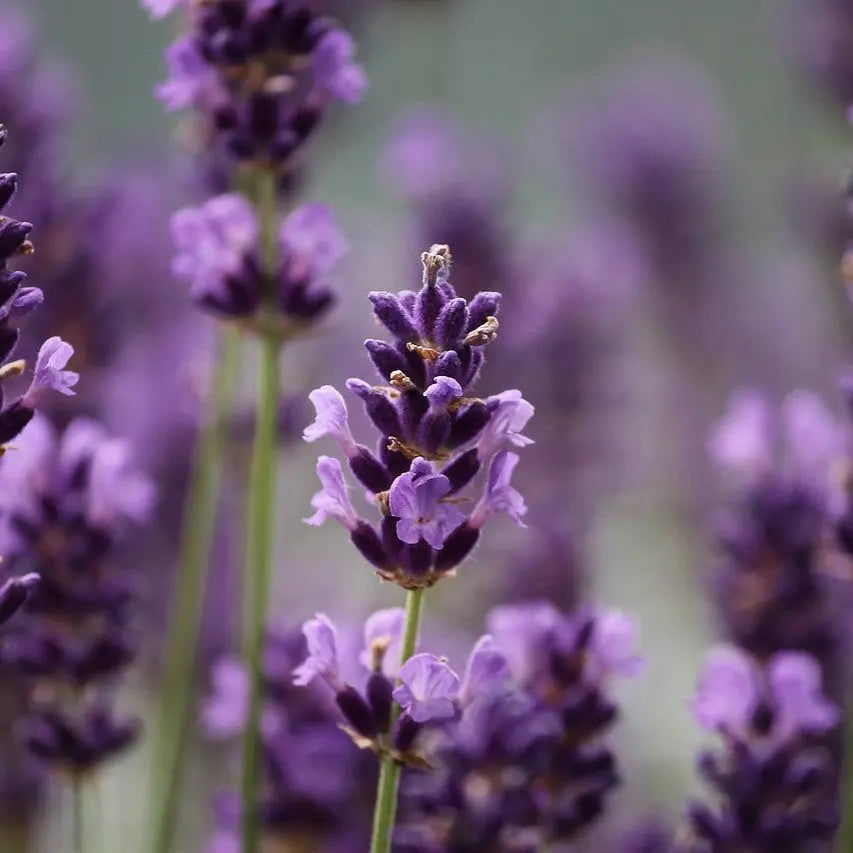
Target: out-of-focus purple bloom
742	442
14	593
769	716
335	69
50	373
161	8
487	670
415	500
117	491
614	646
226	710
428	690
311	235
190	79
332	501
322	657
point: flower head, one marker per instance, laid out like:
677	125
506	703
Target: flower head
415	500
322	657
428	690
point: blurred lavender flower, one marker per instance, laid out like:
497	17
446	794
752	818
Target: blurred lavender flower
65	505
218	253
259	74
523	764
456	186
774	779
426	420
302	801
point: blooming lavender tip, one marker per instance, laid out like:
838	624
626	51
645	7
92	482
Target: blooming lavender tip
428	689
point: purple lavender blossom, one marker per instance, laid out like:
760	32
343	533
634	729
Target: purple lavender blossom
773	779
435	437
259	75
524	764
383	640
428	689
66	503
301	801
332	501
322	657
219	255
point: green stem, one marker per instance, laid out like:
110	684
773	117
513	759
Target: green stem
260	529
77	812
385	811
197	535
844	842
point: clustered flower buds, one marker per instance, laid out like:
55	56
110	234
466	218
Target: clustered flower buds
65	504
259	74
773	776
16	301
434	436
219	254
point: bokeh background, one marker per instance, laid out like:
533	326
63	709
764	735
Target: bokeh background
511	73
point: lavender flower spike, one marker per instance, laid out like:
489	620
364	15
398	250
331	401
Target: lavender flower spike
415	500
322	657
428	690
50	374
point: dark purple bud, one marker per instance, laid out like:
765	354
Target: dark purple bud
357	712
10	281
379	690
370	546
416	560
456	548
475	365
263	115
448	364
415	367
13	420
405	733
393	316
371	473
103	657
8	341
451	324
379	407
385	358
13	234
389	538
434	431
8	185
483	305
396	462
468	423
412	406
14	593
428	305
462	470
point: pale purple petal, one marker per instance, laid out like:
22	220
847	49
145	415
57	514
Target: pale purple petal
742	442
322	657
312	235
794	679
117	490
500	496
442	393
189	75
415	500
50	374
814	438
428	689
510	414
384	627
487	670
614	646
331	419
728	691
334	69
332	501
161	8
521	631
226	710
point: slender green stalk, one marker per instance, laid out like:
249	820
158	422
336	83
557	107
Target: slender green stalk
844	842
197	535
77	812
260	528
385	811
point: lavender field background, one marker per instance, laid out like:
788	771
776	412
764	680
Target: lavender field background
621	496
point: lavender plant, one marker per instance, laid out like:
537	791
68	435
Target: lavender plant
259	76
